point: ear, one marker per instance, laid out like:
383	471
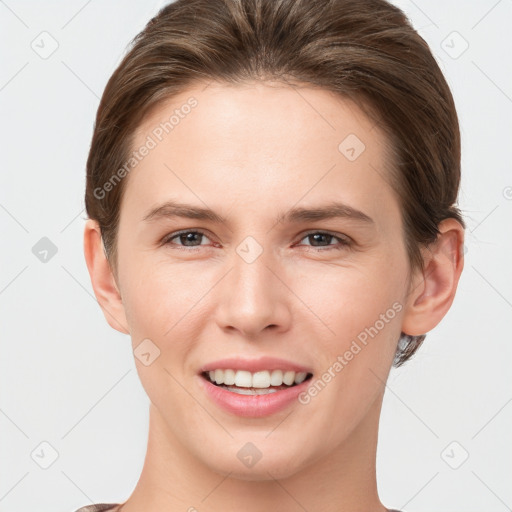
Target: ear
102	278
432	291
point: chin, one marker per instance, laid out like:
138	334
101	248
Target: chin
268	467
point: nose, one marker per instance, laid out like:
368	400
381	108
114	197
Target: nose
254	297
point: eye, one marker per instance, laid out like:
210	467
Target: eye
322	236
192	239
185	237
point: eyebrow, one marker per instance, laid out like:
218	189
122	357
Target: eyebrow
334	209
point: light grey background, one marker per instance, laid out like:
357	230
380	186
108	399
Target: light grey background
68	379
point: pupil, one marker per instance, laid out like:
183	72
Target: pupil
319	235
189	237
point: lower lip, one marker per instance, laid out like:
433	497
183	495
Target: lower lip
253	406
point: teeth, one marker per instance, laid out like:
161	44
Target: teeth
300	377
259	380
229	377
276	378
289	378
219	376
243	379
263	379
250	391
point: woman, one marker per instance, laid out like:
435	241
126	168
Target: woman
271	192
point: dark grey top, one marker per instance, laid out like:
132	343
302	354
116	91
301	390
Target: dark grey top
98	507
103	507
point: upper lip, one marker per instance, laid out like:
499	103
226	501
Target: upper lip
254	365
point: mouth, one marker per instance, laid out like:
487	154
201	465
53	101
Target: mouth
258	383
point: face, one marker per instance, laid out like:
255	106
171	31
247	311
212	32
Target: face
266	275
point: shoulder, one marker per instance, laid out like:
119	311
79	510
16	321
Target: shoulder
98	507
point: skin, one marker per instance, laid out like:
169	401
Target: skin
243	147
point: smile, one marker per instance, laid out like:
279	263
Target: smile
258	383
244	398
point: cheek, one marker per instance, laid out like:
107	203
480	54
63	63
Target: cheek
158	296
163	305
346	300
364	312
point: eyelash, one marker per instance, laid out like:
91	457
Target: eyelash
345	242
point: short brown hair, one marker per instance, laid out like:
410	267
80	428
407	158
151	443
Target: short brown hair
363	50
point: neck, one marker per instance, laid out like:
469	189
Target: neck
343	480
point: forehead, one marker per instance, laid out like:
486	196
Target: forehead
258	142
